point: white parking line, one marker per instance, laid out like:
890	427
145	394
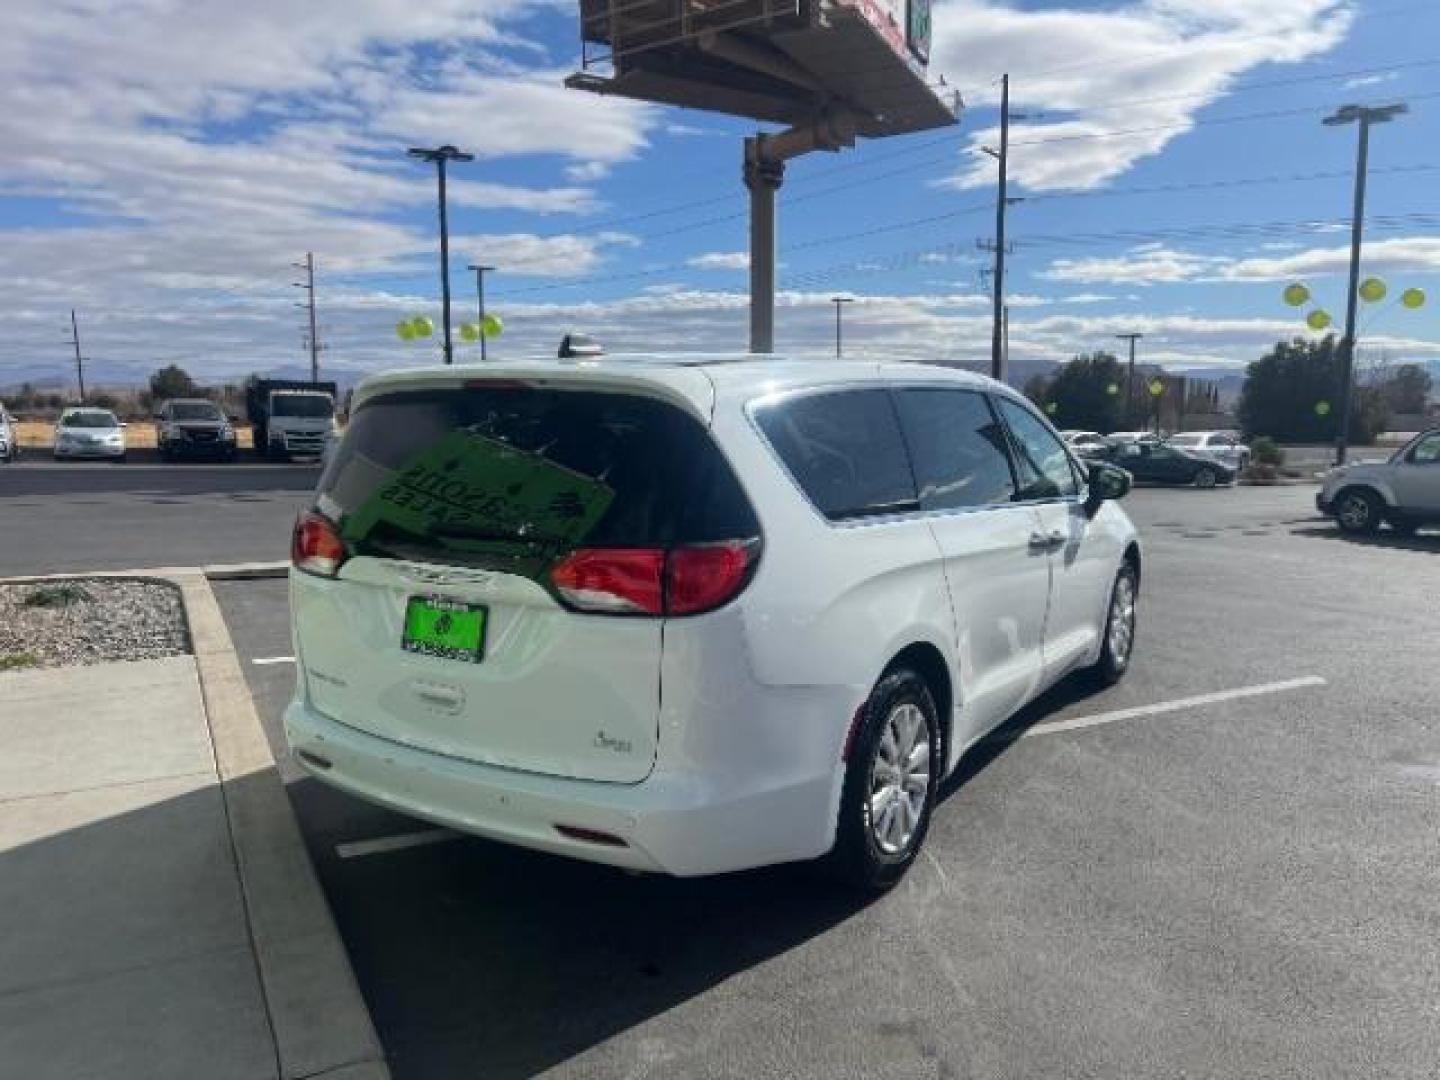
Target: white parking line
1173	706
399	842
264	661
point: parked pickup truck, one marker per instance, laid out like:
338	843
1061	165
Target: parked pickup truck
1403	492
289	418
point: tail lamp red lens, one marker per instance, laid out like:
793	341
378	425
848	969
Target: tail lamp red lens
316	547
653	581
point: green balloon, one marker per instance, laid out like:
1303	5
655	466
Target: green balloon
1318	319
1112	389
470	331
1413	298
1296	294
1372	290
1157	388
404	330
1322	408
422	326
492	326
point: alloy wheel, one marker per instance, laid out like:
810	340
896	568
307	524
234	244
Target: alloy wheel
900	779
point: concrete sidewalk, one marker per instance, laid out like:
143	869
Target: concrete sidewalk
158	915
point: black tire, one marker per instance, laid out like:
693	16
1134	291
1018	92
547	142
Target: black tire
1116	651
1205	477
1358	511
858	857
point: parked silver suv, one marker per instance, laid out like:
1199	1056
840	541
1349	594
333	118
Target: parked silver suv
1404	491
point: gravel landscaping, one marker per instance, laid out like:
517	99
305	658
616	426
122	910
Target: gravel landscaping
89	621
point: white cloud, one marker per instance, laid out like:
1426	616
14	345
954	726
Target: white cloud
1087	298
721	260
1147	265
1158	265
1368	80
1134	68
528	255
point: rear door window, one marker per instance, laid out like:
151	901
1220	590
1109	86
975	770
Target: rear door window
513	477
845	451
958	448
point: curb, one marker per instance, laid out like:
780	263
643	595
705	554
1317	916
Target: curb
317	1014
247	571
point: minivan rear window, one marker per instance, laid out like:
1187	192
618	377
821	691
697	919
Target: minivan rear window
511	474
845	451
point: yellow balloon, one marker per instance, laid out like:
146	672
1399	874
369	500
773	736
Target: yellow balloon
470	331
1322	408
1413	298
1372	290
1112	389
1318	319
492	326
422	326
1296	294
1157	388
404	330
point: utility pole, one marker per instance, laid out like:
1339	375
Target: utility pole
1002	203
1130	374
1350	114
309	286
480	272
839	302
1005	350
79	360
439	157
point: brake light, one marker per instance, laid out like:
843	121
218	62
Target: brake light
704	577
316	547
622	581
652	581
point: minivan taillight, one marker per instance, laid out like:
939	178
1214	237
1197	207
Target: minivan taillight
316	547
652	581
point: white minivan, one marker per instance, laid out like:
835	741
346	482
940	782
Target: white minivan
694	614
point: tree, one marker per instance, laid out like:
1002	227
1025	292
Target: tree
1087	393
1405	389
171	382
1290	394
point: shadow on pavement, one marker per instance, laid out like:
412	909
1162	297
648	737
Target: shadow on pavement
1385	538
514	961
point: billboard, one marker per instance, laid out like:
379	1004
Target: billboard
917	30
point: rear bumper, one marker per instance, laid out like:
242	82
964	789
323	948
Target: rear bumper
669	823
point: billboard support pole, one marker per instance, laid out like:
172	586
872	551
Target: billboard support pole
763	177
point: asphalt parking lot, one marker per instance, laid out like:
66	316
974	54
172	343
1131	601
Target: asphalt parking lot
61	517
1225	866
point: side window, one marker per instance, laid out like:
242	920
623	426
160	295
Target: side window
1427	451
958	449
1044	466
844	450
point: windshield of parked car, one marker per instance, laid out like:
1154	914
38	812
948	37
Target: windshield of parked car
310	406
89	420
195	410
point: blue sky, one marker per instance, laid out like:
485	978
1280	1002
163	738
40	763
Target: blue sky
167	161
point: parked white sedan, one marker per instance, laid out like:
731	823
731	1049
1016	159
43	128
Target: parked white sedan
89	433
1222	445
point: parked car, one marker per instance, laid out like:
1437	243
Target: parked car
89	433
1163	463
1087	443
1118	437
1224	446
1404	491
691	616
194	427
9	437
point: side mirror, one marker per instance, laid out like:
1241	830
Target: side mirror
1105	482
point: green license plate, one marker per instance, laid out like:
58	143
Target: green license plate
445	628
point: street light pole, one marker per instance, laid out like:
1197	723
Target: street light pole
1130	374
1351	114
839	302
480	272
440	156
